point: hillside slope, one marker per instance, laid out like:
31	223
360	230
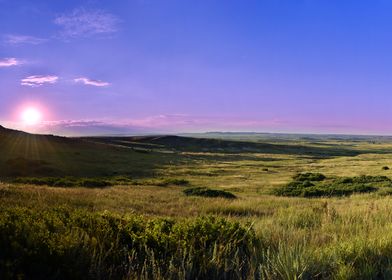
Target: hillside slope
24	154
190	144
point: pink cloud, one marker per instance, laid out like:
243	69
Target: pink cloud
90	82
39	80
8	62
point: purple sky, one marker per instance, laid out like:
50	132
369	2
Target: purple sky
137	66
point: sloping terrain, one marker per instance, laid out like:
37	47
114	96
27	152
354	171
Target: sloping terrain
190	144
24	154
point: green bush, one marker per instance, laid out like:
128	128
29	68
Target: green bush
206	192
69	244
337	190
309	177
338	187
364	179
65	182
294	188
174	181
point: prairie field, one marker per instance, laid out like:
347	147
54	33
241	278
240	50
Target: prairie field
200	207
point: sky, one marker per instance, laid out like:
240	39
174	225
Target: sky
153	66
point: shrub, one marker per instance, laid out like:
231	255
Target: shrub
364	179
385	168
65	182
68	244
206	192
309	177
173	181
339	187
337	190
294	188
93	183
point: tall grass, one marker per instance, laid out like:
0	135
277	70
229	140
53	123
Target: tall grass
67	244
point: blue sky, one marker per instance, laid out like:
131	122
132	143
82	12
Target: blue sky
197	65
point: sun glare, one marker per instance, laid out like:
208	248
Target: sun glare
31	116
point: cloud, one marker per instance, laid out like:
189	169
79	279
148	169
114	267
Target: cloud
83	23
39	80
13	39
8	62
90	82
88	128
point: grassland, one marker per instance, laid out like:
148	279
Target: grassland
143	226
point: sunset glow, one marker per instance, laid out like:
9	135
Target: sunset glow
31	116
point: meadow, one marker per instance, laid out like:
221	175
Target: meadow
202	207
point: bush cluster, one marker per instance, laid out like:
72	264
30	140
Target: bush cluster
309	177
77	244
206	192
64	182
309	185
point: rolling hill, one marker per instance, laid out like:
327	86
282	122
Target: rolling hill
24	154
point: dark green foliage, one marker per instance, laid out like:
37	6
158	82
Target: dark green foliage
160	182
364	179
338	187
65	182
294	188
206	192
176	182
309	177
68	244
337	190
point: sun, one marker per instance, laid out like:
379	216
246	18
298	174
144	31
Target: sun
31	116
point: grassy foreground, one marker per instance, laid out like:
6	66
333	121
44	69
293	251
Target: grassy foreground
204	214
206	238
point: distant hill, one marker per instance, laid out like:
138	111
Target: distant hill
217	145
25	154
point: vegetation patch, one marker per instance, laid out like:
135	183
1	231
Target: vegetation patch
75	244
317	187
161	182
65	182
301	177
206	192
173	181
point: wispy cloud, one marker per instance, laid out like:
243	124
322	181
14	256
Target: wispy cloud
85	23
157	124
8	62
13	39
90	82
39	80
